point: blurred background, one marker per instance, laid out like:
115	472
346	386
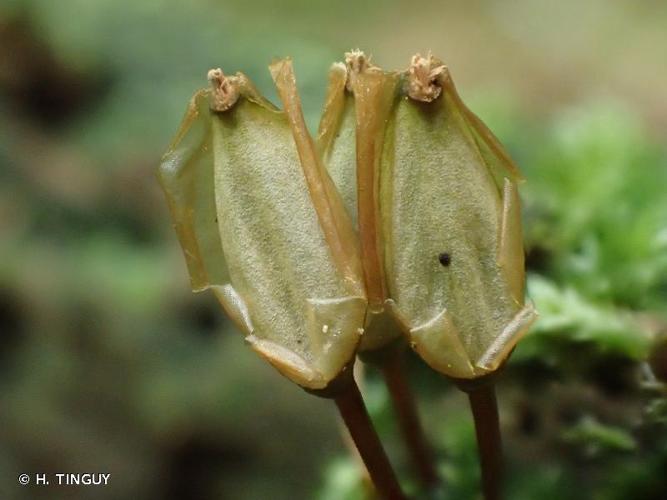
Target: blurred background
108	363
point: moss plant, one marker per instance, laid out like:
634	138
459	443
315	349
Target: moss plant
439	222
401	222
262	226
450	244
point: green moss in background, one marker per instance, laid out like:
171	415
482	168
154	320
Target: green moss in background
109	363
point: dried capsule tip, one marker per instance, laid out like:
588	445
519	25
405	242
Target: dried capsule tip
356	62
425	78
224	90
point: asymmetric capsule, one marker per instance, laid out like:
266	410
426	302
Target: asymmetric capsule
438	213
262	225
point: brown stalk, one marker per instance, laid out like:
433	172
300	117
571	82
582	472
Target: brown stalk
484	405
345	393
403	400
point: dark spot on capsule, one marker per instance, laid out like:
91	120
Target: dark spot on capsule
445	259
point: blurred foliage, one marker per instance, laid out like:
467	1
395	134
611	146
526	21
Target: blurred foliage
109	364
598	438
603	218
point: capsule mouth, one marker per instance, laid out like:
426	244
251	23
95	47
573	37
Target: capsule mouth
356	62
224	90
425	77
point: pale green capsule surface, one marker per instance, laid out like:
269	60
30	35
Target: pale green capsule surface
451	231
261	225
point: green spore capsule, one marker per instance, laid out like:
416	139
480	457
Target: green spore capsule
439	219
447	183
262	226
